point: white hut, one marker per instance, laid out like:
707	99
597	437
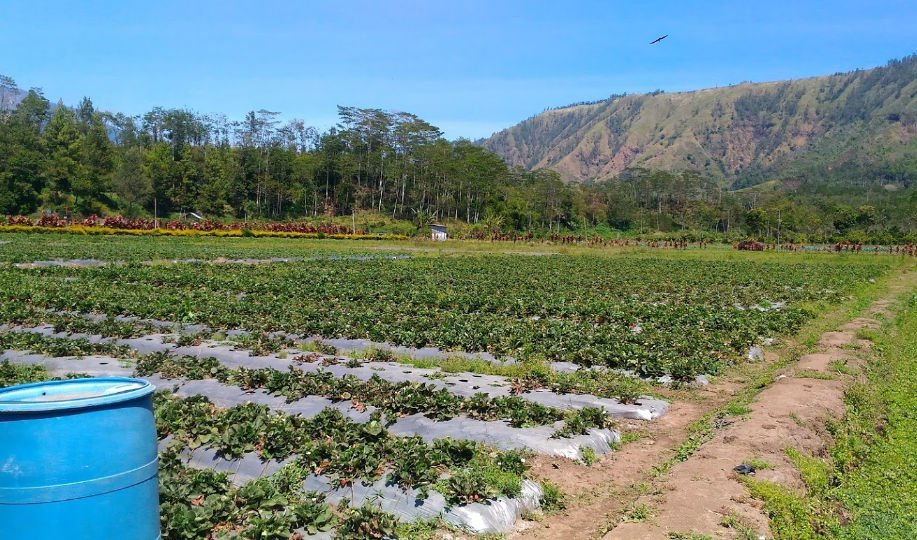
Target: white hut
439	232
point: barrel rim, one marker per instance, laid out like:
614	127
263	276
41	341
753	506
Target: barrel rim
140	388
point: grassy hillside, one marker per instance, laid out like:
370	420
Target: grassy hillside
858	123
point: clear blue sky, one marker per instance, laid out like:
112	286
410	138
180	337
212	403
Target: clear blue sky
469	67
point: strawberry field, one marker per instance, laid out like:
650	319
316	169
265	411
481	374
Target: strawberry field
361	395
30	247
650	316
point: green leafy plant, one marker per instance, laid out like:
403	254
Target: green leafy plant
366	523
552	498
588	455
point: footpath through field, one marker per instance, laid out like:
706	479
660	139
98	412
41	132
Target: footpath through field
679	480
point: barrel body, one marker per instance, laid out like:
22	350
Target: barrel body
78	460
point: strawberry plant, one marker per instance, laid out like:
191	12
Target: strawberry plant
366	523
197	503
467	486
654	316
13	374
55	346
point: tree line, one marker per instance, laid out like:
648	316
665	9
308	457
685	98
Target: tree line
80	161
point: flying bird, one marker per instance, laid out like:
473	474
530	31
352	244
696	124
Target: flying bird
657	40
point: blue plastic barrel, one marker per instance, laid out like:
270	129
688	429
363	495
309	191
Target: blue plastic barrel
78	461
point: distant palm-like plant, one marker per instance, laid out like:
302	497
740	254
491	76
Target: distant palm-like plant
423	219
492	221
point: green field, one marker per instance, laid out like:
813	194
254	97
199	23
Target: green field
651	313
643	313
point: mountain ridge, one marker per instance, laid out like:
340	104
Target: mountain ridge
741	134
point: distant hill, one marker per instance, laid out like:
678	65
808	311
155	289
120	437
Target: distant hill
858	123
10	95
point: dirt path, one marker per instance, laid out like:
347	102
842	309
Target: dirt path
621	498
601	491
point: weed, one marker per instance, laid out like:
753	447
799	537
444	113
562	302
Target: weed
588	455
353	363
735	522
840	366
638	512
367	522
642	488
552	498
628	437
378	355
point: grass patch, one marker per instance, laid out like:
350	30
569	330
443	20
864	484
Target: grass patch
814	374
875	455
865	333
792	516
815	472
759	464
464	364
688	536
316	346
422	529
737	409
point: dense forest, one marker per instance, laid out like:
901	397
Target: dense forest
78	161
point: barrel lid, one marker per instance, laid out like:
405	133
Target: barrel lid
72	394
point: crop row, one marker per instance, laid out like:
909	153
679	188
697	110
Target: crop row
58	346
394	399
653	316
347	451
523	378
199	503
